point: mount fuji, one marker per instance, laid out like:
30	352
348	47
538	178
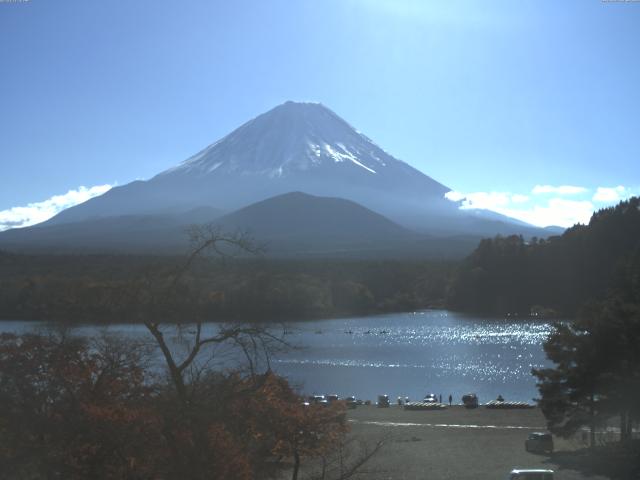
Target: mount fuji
295	147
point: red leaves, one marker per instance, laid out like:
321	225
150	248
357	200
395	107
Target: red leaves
68	410
76	411
231	460
275	415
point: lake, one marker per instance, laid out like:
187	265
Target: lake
400	354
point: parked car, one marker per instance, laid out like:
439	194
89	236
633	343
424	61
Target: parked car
470	400
539	442
351	402
318	400
332	398
430	398
530	474
383	401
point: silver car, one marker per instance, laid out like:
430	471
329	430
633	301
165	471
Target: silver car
530	474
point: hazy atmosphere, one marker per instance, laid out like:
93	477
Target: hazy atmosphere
527	109
319	240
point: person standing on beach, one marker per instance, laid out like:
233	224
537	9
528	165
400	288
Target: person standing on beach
450	399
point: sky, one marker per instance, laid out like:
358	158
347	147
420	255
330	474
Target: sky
527	108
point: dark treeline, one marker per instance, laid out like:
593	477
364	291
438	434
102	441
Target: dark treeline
503	275
77	407
561	274
107	288
596	373
595	377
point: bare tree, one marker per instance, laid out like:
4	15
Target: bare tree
254	341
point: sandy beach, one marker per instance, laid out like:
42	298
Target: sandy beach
457	443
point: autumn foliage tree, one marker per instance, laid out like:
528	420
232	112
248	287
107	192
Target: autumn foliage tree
294	429
72	409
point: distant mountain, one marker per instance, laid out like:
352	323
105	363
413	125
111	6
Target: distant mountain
298	215
300	224
138	233
301	147
554	230
290	225
295	147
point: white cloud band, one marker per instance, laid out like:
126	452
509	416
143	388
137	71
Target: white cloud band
37	212
606	194
546	210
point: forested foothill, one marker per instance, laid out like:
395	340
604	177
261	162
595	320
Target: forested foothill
557	275
105	288
504	275
593	385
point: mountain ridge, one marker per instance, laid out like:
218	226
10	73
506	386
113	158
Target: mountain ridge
294	147
294	224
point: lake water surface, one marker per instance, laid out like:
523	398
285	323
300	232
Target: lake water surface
400	354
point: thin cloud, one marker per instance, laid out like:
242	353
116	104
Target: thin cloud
556	212
542	212
485	200
33	213
454	196
488	199
609	194
559	190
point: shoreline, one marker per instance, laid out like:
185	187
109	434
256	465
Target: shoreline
457	443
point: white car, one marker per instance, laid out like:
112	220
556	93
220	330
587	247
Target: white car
318	400
530	474
430	398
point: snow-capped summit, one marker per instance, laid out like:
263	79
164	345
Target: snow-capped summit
295	147
301	147
292	137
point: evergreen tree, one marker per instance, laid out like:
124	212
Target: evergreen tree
597	370
510	275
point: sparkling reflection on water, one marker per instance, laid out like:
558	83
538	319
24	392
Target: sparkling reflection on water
411	354
401	354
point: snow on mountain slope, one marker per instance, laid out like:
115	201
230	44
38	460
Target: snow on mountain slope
293	137
302	147
293	147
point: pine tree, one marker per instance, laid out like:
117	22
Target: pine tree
597	370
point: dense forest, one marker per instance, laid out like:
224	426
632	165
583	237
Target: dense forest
118	288
592	273
554	276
